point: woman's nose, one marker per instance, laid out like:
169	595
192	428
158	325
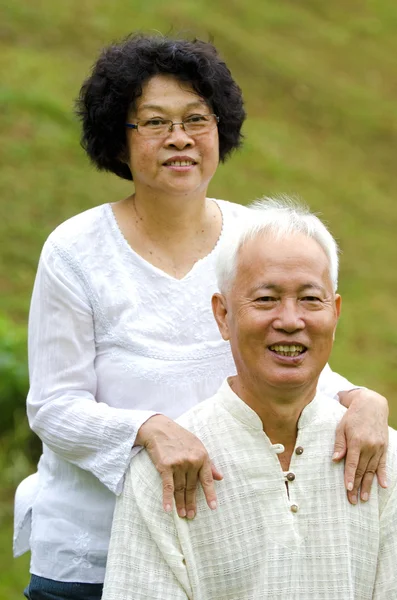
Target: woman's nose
178	137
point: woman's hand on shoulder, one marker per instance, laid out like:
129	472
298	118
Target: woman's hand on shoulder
362	437
182	461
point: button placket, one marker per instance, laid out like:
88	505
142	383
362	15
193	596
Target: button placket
290	476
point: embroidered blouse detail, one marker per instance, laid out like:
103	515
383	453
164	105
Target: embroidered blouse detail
82	543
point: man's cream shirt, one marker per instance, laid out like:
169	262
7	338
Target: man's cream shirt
275	535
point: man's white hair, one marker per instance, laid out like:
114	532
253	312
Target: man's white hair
279	218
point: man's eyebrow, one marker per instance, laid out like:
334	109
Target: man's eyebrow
276	288
312	286
266	286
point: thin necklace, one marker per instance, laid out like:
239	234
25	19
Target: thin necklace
143	223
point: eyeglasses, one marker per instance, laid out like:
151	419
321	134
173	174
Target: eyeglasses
194	125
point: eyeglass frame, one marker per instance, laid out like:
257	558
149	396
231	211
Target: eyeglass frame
172	123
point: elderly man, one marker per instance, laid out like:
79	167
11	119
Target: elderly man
283	529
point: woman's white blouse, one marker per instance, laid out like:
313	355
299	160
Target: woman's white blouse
112	341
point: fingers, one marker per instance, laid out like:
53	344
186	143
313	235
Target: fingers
207	482
182	461
362	438
168	490
217	475
180	491
190	494
364	471
353	474
185	489
360	470
366	482
181	485
381	471
340	445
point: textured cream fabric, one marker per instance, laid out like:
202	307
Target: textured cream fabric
254	546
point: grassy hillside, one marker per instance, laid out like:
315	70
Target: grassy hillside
320	84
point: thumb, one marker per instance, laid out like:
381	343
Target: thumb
217	475
340	446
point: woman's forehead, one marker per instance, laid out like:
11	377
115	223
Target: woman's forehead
162	92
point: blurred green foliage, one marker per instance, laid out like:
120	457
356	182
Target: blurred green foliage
319	80
19	447
13	372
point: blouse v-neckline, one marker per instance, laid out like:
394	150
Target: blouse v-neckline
122	241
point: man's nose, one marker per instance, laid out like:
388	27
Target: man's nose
289	317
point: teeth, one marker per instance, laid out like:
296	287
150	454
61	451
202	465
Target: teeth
180	163
293	350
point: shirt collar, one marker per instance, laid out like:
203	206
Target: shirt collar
243	413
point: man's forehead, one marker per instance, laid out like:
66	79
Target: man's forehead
270	241
266	261
270	248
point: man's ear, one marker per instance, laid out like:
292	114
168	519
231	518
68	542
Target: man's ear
338	306
219	308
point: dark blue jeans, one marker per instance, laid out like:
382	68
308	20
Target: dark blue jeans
40	588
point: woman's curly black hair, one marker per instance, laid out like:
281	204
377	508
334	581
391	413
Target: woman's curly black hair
116	82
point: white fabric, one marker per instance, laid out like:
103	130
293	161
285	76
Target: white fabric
254	546
112	341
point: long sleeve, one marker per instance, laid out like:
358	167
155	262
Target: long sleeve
61	405
331	383
386	575
145	560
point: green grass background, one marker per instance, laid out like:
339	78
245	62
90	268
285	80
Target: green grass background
320	84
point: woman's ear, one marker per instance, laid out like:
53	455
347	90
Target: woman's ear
219	308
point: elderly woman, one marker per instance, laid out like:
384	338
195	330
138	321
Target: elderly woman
121	335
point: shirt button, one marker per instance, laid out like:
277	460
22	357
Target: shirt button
290	476
278	448
294	508
299	450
